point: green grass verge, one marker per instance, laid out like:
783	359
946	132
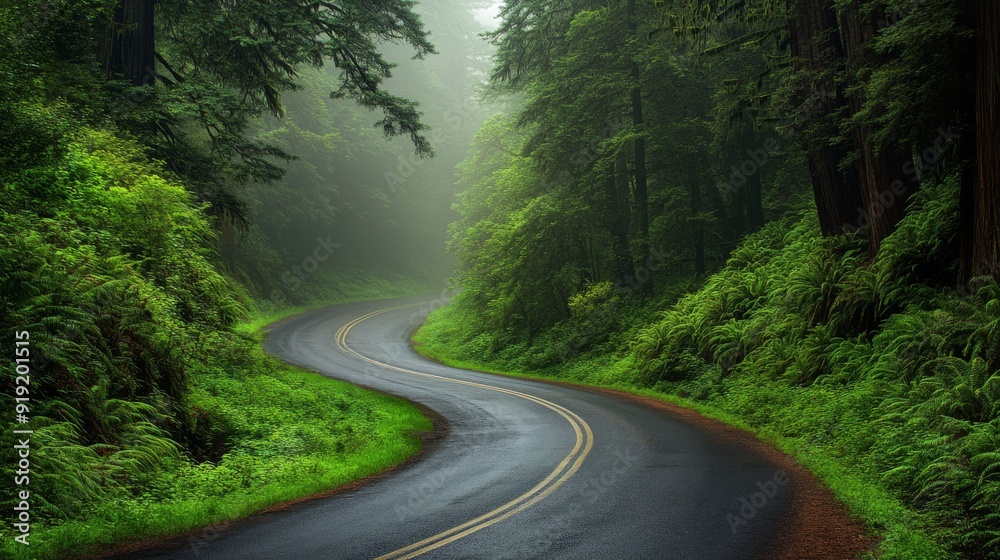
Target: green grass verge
341	286
315	434
905	535
291	434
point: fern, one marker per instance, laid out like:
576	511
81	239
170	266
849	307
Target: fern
876	360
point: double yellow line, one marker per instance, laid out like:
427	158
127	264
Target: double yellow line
563	471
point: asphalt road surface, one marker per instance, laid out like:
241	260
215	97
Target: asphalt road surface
526	470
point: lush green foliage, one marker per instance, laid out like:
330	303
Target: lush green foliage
555	197
150	414
876	372
878	361
661	141
153	407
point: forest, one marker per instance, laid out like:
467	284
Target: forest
784	214
175	175
780	213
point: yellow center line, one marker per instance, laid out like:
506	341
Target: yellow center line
555	479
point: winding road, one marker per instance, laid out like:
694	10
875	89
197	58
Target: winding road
525	470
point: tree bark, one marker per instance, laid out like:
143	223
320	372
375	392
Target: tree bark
697	227
968	153
616	196
986	190
753	202
884	193
814	42
130	49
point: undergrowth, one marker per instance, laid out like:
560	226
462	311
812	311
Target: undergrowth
877	374
154	408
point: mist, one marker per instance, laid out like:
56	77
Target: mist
385	207
384	259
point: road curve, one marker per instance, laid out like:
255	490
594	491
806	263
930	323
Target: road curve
526	470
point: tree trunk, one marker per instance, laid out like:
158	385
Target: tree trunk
750	204
986	191
643	275
814	41
616	195
884	193
755	205
129	51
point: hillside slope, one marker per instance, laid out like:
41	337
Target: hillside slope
877	375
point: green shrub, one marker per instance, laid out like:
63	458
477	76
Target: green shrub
878	366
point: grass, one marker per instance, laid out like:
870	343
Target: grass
289	434
369	433
877	374
903	533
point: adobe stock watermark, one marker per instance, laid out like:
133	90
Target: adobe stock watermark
586	158
393	353
418	495
758	157
23	349
945	140
406	166
752	504
203	538
137	95
296	275
741	173
589	492
633	282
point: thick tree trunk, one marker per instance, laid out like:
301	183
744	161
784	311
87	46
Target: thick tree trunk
129	51
884	193
986	190
814	42
643	275
755	204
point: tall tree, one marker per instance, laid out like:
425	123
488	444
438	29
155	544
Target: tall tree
816	97
219	65
530	36
618	216
697	226
815	43
985	199
129	51
880	171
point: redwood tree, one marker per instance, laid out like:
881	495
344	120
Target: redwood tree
639	147
884	193
129	52
984	257
815	43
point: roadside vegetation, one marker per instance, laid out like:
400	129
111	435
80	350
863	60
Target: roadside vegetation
777	213
154	410
782	213
875	375
146	236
